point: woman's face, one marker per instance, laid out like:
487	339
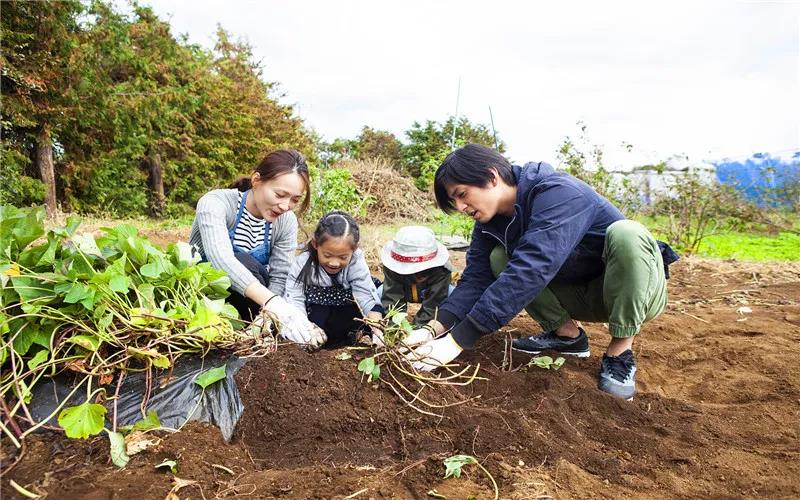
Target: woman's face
278	195
478	203
335	253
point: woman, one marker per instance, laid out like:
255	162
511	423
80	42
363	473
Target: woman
545	242
250	232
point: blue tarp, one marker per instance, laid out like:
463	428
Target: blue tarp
764	178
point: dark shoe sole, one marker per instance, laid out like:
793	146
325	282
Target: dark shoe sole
579	354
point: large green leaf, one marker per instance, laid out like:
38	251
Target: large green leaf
29	228
30	288
87	245
82	421
119	283
76	293
25	331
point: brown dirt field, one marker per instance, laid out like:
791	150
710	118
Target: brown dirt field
716	415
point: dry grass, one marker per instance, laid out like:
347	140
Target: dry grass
395	196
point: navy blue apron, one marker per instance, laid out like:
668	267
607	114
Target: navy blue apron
261	252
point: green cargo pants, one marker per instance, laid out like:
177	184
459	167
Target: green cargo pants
631	291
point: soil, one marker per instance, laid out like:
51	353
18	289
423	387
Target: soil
716	415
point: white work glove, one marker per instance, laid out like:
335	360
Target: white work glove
434	353
294	325
419	336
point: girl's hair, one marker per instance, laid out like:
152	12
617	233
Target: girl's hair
334	224
471	165
279	162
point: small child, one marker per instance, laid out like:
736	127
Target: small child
330	280
416	269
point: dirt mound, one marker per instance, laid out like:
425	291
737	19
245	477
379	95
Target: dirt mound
395	196
715	416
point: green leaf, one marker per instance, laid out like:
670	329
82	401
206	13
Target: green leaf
398	318
211	376
161	361
172	464
151	421
38	358
88	342
146	294
77	292
542	361
86	244
205	323
153	269
82	421
118	453
30	228
366	365
105	322
454	464
119	283
24	332
30	288
557	363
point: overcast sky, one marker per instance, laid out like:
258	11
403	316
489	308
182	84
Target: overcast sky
705	79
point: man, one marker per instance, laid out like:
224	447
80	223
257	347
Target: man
546	242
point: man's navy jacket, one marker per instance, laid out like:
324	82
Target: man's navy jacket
556	234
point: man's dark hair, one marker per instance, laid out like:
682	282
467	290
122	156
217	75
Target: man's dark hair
471	165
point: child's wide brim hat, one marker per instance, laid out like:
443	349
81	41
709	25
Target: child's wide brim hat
413	249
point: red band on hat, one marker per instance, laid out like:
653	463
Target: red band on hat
419	258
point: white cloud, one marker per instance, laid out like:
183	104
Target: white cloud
708	79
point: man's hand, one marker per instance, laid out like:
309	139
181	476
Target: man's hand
434	353
419	336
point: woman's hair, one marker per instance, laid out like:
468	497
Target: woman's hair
279	162
471	165
334	224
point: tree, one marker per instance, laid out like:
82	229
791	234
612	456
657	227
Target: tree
429	144
584	160
39	39
374	144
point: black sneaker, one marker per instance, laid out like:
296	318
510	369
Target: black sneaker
549	341
618	375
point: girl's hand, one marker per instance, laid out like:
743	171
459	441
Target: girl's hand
377	333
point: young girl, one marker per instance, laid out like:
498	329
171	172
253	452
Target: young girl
330	280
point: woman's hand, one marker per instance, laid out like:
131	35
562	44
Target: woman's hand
294	325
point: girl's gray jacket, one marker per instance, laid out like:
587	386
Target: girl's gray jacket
215	216
354	276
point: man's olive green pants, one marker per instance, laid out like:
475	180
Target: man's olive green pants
631	291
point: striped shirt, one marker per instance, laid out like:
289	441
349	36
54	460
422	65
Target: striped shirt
249	233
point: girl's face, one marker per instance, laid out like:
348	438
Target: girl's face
479	203
334	253
276	196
